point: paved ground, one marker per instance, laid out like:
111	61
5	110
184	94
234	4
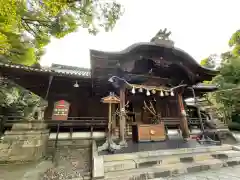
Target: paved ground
74	163
229	173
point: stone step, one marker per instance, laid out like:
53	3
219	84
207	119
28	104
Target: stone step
169	152
169	170
168	160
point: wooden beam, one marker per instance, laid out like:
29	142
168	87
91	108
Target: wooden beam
122	117
184	121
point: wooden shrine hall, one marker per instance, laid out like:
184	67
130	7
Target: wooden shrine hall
151	81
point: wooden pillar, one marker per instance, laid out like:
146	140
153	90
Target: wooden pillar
122	117
114	123
184	122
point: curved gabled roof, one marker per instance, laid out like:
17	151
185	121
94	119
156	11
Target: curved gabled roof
174	54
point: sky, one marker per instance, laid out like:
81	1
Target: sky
199	27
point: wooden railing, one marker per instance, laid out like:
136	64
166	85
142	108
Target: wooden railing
6	122
72	122
86	122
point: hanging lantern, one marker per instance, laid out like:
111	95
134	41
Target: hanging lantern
166	93
133	90
154	91
172	93
161	94
76	85
140	90
148	93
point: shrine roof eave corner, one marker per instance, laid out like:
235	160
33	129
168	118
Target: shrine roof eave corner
136	48
200	89
205	87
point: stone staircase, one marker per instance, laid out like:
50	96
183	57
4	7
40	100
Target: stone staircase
162	163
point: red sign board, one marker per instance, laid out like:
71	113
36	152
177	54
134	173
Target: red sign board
60	110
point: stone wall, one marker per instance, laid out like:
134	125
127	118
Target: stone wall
24	142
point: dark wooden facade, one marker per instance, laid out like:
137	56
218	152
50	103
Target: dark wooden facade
143	63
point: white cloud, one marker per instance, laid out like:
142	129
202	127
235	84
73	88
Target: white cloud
200	28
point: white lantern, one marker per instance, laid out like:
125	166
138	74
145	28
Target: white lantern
161	94
133	90
148	93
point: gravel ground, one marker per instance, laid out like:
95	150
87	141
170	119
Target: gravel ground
71	164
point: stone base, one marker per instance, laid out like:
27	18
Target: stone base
30	125
222	135
109	145
23	145
123	143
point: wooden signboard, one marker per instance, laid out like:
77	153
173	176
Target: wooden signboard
60	110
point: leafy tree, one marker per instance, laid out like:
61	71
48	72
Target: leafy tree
27	25
226	99
226	56
209	62
234	42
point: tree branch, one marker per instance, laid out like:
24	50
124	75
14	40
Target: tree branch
36	20
145	104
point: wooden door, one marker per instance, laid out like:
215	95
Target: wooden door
143	133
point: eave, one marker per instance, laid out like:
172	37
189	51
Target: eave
14	68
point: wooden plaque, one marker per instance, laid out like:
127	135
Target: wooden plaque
60	110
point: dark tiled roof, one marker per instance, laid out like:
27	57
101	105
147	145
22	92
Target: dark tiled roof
55	69
126	58
71	70
16	66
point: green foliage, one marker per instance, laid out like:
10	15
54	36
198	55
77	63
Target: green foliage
27	25
16	97
234	42
226	56
209	62
226	99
